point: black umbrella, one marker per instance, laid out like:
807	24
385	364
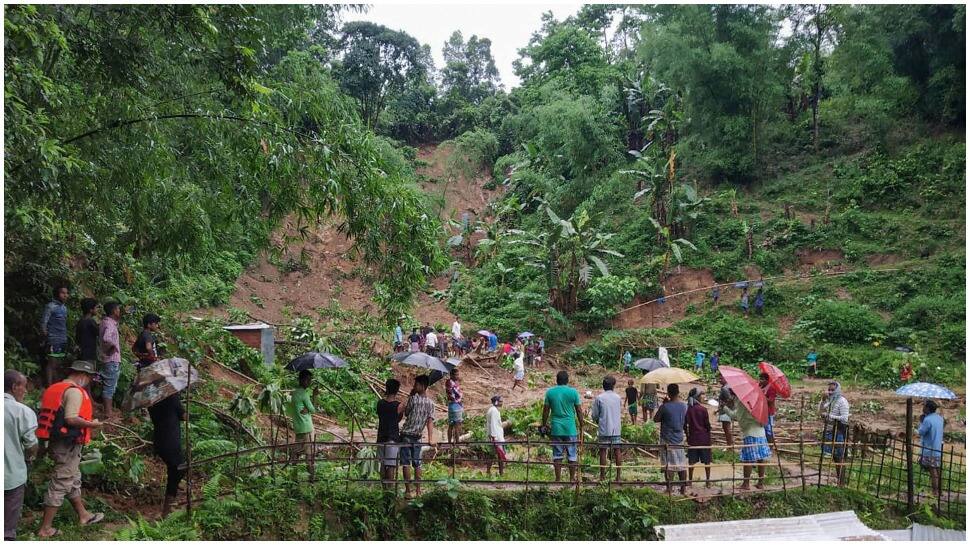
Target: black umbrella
316	360
649	364
420	359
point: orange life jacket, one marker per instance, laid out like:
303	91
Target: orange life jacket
50	423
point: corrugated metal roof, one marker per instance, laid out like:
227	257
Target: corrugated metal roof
843	525
247	327
920	532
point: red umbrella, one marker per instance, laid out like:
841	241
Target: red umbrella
747	390
776	379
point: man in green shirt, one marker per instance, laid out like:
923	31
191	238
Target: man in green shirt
301	409
565	406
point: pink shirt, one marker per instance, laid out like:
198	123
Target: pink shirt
110	342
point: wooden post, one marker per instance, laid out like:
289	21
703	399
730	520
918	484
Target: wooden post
909	455
781	470
821	454
882	461
801	440
528	462
188	444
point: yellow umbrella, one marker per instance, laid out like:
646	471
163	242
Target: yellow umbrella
668	375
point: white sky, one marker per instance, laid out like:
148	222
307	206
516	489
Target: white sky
509	26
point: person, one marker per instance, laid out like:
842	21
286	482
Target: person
167	416
698	428
110	354
66	421
906	372
699	361
715	293
492	342
744	301
542	349
771	395
398	338
389	413
672	418
627	361
425	329
86	331
518	367
725	400
663	355
759	302
53	325
715	362
456	413
812	359
563	404
146	347
431	343
606	412
530	353
418	416
648	398
834	411
755	451
19	446
301	411
496	434
931	443
415	339
632	396
506	348
456	329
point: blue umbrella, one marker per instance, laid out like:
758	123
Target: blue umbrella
740	284
525	335
925	389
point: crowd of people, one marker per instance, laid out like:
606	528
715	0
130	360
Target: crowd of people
66	420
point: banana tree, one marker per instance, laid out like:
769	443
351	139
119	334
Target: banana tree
569	252
672	247
686	208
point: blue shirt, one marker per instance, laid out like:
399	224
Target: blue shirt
398	335
931	436
715	359
54	322
699	359
627	358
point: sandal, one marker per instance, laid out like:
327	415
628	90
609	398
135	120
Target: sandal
95	518
55	533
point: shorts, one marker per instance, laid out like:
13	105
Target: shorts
65	479
608	439
755	449
930	462
649	403
110	371
632	407
500	451
410	450
724	417
387	453
456	413
699	454
564	444
673	457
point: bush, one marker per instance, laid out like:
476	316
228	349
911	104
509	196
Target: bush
840	322
603	296
474	151
738	340
924	310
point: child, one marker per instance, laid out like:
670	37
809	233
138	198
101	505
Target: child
632	395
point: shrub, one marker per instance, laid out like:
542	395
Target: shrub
840	322
924	310
474	151
603	296
737	339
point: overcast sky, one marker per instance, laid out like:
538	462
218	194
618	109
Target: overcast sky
509	26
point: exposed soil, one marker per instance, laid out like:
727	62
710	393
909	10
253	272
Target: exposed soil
832	260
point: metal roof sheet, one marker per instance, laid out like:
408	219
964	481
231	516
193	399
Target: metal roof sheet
842	525
247	327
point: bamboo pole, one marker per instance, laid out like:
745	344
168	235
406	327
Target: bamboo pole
909	455
801	440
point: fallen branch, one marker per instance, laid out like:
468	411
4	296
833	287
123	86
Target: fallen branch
229	420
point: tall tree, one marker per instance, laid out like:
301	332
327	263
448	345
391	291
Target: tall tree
814	29
469	70
375	63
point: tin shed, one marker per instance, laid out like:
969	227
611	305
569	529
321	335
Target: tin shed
257	335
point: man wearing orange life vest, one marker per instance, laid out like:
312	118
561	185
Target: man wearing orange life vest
65	421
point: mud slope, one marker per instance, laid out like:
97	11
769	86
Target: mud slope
332	273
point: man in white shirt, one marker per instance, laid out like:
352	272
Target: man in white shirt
518	366
19	445
431	343
456	329
496	434
606	412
